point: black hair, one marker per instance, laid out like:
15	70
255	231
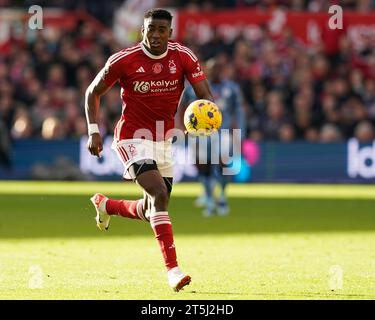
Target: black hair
157	13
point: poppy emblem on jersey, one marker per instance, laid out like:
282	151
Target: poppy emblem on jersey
172	67
157	68
132	150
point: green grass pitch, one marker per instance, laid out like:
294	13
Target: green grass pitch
279	242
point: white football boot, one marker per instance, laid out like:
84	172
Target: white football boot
102	217
177	279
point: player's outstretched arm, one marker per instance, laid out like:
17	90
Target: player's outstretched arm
202	90
92	101
182	105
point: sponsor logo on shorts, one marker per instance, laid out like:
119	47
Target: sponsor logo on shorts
132	150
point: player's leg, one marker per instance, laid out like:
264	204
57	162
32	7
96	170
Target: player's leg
158	189
133	209
223	148
205	176
222	202
106	207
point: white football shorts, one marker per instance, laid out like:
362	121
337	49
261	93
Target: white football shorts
130	151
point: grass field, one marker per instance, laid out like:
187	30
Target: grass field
279	242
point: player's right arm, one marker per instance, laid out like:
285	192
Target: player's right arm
92	101
103	81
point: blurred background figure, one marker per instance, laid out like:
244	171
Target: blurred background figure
364	132
330	133
228	97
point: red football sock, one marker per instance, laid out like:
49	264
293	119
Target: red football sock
161	224
126	208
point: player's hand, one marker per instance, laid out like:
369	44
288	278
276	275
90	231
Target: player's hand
95	144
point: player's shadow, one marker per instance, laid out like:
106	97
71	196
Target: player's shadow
214	293
59	216
286	296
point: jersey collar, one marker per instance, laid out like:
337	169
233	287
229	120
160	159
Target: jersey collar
152	56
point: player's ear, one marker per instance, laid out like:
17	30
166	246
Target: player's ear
170	32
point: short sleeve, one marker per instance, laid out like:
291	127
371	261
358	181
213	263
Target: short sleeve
110	72
193	70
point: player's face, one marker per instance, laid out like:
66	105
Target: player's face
156	33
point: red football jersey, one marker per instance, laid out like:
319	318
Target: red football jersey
151	86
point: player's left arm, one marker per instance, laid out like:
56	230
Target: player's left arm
182	105
196	76
202	90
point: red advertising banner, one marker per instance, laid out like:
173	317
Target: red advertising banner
311	28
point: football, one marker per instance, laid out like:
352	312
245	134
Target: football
202	118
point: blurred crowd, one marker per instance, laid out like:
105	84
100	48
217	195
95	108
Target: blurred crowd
297	5
43	82
290	92
103	9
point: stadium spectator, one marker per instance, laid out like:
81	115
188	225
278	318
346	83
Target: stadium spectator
52	129
275	116
364	132
22	127
287	133
330	133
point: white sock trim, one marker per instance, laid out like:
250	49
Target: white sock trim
158	218
159	213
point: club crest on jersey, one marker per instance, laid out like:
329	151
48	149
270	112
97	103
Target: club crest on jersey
157	68
172	67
